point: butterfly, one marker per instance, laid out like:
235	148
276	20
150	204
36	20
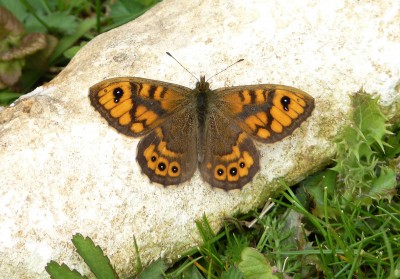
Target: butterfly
183	129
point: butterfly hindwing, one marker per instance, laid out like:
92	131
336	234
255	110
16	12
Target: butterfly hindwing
267	112
229	159
135	106
168	155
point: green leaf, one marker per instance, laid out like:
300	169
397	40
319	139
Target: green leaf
393	141
57	271
61	22
385	185
192	272
7	98
127	10
396	272
236	244
254	265
138	263
369	118
10	72
232	273
94	257
154	270
361	150
71	52
205	229
314	191
68	41
32	24
15	7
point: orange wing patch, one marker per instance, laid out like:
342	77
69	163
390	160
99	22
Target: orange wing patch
268	112
132	106
227	171
162	164
161	160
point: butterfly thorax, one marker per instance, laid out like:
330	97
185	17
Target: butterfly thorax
202	85
202	91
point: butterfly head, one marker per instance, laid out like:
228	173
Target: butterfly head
202	85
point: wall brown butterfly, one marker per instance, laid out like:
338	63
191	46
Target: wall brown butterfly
183	128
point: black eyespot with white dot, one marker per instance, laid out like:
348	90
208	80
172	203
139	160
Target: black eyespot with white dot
233	171
161	166
242	165
285	101
220	172
175	169
118	93
153	158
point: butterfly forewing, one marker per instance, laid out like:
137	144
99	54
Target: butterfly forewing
135	106
267	112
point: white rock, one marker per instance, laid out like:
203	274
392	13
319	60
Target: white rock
63	170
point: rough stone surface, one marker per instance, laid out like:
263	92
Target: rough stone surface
63	170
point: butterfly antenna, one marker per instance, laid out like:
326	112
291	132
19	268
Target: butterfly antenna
183	66
240	60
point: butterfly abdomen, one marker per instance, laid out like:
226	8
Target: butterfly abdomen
202	107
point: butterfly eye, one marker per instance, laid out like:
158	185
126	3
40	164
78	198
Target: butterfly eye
285	101
118	93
